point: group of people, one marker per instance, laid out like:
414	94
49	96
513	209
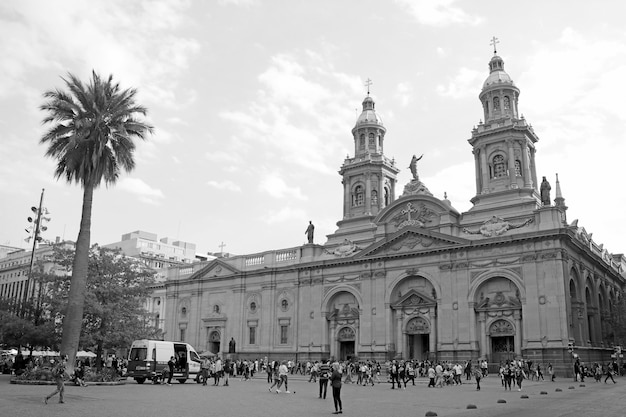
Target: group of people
326	371
596	371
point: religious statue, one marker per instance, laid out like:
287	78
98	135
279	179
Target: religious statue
231	345
545	192
309	232
413	166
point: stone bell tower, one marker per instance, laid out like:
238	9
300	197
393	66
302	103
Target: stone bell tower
368	177
503	147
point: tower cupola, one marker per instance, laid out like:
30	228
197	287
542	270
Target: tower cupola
499	95
368	132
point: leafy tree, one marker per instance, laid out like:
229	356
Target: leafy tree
116	289
91	137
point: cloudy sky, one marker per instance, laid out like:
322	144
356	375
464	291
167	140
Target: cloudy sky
253	103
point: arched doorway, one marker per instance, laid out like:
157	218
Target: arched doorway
413	303
498	308
346	338
502	335
214	341
343	319
418	338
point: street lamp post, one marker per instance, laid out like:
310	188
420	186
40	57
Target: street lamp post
37	228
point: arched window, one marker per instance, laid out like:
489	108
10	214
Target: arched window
357	197
362	142
506	103
518	168
372	141
374	197
496	103
499	167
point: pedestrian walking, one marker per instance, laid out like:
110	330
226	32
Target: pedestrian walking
58	373
609	373
335	382
478	374
170	373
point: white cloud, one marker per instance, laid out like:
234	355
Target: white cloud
55	36
299	115
144	192
283	215
466	83
224	185
439	13
404	93
275	186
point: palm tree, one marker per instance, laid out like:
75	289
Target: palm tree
91	137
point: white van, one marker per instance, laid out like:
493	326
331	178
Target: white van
148	359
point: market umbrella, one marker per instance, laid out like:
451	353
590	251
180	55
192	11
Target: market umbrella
85	354
207	354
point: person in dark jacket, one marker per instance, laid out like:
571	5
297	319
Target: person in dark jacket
335	382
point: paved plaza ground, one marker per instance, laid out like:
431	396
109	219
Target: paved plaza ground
252	399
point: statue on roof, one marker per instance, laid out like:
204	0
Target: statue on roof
413	166
309	232
545	192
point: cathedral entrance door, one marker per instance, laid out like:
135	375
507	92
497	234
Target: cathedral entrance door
214	342
346	350
418	346
502	349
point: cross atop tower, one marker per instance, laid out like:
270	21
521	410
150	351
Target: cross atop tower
494	42
221	246
368	82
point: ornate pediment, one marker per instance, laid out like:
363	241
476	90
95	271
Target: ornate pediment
414	299
496	226
500	301
412	240
215	268
412	214
346	312
347	248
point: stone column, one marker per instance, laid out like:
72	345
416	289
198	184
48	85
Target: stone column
368	193
476	153
526	165
517	317
346	196
511	155
332	341
381	192
399	335
485	169
432	340
483	334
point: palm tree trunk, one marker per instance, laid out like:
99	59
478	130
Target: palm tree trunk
73	320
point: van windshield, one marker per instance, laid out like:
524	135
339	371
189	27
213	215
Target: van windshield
138	354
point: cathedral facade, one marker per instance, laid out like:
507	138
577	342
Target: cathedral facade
411	277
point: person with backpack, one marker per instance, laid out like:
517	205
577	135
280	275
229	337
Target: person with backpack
59	374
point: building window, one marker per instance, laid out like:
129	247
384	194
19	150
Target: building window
283	334
362	142
182	335
253	335
499	167
357	197
506	102
372	141
374	198
496	103
518	168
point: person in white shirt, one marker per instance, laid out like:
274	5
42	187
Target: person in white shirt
283	371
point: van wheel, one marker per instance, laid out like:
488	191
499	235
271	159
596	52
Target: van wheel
140	380
182	381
